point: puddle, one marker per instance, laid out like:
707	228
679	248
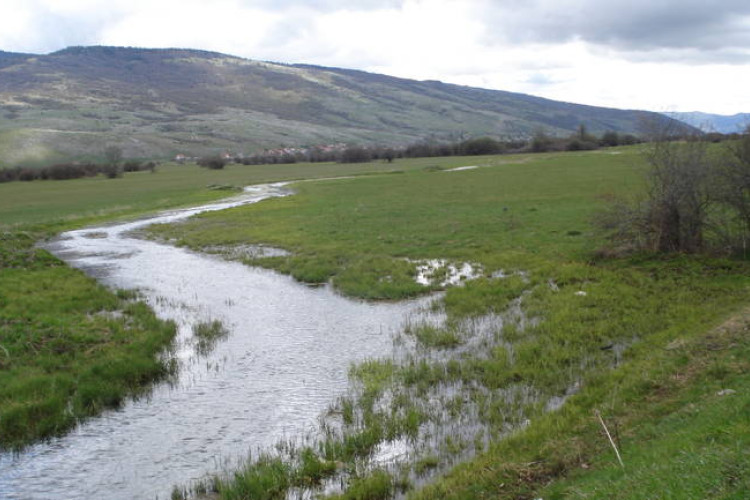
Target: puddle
460	169
246	251
443	273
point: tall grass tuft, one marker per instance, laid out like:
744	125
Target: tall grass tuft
207	334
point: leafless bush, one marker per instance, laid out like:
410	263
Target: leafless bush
674	214
212	162
733	189
679	194
697	198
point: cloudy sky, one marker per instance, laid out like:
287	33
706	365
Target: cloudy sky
661	55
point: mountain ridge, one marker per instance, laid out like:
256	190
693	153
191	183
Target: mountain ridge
160	102
711	122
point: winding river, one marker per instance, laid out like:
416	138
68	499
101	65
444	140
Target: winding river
285	360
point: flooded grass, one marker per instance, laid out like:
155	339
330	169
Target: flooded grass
403	422
410	416
430	336
207	334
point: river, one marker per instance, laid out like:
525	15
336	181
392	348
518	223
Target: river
284	361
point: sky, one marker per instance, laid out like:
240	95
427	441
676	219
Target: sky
659	55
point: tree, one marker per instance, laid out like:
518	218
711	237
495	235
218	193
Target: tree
112	157
389	154
541	142
610	138
582	133
481	146
679	194
356	154
582	140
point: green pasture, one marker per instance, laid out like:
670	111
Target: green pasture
69	347
75	202
508	212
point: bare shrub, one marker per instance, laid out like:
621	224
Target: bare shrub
674	214
733	189
213	162
697	199
678	194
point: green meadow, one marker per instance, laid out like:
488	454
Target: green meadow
657	345
511	212
66	204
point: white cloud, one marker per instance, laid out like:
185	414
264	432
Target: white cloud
225	27
13	23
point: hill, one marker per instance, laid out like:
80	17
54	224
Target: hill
160	102
707	122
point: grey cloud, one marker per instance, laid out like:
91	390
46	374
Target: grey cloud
692	56
636	25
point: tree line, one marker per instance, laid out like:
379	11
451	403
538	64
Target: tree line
538	143
74	170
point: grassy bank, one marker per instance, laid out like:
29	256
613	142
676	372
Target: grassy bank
628	337
79	201
678	411
70	347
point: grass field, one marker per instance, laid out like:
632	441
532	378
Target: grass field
524	209
640	339
76	202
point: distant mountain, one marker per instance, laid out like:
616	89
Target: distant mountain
160	102
725	124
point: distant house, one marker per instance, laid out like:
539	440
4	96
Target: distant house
180	158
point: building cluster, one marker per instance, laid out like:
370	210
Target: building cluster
282	152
